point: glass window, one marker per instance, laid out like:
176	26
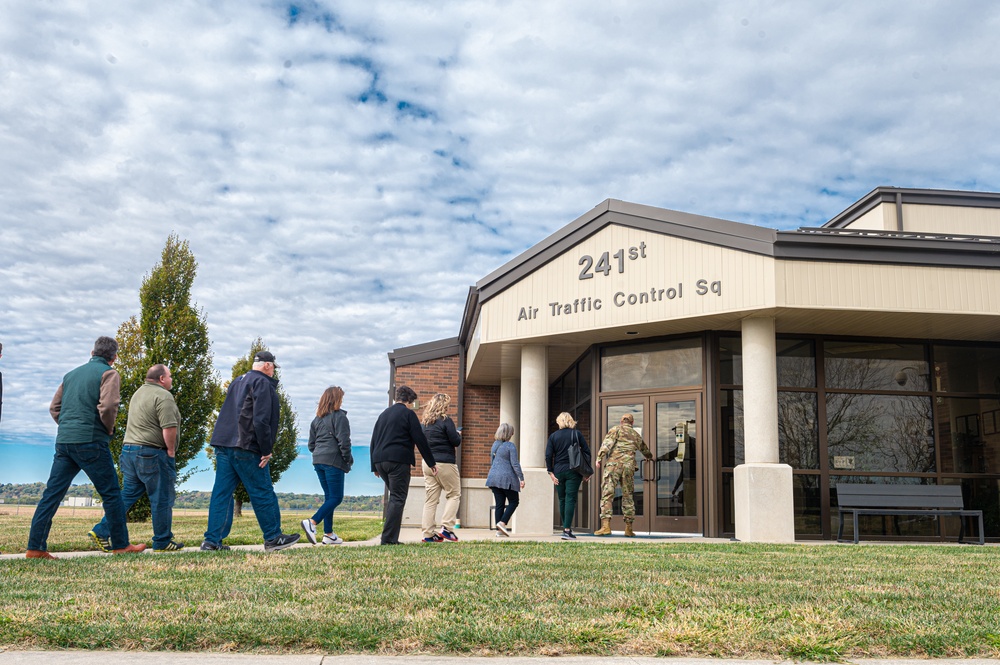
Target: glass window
875	366
798	430
891	433
969	436
796	363
977	494
731	405
808	505
967	369
660	365
583	387
730	360
569	390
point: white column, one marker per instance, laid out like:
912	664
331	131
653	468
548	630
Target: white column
763	487
510	405
534	514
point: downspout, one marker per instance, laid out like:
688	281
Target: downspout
899	211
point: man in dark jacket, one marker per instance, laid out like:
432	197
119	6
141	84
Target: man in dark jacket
395	433
85	406
244	438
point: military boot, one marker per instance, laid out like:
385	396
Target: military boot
629	533
605	529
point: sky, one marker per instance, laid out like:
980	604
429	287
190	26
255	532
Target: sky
345	171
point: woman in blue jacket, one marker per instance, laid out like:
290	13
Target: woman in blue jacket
330	444
505	478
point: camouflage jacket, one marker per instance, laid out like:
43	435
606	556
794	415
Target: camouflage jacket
628	440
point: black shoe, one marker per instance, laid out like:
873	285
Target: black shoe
281	542
103	544
172	546
567	534
213	547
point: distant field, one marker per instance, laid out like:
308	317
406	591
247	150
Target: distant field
70	527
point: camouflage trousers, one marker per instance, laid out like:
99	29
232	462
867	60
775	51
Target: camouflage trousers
614	475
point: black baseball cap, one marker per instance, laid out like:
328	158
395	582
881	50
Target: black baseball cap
265	357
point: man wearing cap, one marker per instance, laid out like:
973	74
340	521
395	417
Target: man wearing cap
85	406
147	460
244	438
617	457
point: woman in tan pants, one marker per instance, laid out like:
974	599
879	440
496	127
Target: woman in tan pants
443	438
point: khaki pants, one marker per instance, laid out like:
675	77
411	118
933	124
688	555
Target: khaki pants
448	480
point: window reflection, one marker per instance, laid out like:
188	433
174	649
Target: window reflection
798	430
880	433
661	365
875	366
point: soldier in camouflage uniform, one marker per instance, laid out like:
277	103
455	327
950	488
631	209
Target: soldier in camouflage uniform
617	455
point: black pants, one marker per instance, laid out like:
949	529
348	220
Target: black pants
508	497
396	476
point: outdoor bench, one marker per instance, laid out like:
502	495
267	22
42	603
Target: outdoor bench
936	500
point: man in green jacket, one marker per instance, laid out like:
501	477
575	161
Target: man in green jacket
84	406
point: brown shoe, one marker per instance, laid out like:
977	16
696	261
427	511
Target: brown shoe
131	549
38	554
605	529
629	533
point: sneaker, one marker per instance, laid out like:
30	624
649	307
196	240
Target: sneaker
103	544
172	546
448	535
332	539
310	530
500	534
436	538
567	534
503	528
281	542
130	549
206	546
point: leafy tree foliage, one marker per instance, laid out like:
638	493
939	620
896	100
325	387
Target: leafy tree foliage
169	330
285	450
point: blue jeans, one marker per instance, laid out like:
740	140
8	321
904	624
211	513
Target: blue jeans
150	471
332	480
94	459
232	466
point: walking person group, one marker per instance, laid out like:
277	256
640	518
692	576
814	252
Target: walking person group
86	404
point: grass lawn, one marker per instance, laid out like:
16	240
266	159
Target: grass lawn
817	602
70	527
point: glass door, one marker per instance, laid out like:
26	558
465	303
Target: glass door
664	489
672	476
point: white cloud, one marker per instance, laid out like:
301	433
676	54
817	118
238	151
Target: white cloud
344	172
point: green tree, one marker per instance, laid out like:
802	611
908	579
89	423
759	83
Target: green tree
285	450
169	330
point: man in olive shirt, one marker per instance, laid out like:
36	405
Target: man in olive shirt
147	460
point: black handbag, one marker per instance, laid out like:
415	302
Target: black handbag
577	462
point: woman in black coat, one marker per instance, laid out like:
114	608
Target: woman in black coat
566	480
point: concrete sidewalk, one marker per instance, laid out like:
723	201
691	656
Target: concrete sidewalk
176	658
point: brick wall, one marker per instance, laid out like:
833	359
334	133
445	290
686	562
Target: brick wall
481	408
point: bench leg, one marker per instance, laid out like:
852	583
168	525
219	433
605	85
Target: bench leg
857	535
961	528
982	535
840	529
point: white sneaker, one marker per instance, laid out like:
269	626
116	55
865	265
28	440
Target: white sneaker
333	539
502	528
310	530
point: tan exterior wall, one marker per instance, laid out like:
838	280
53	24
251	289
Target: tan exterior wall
702	279
951	219
880	218
848	286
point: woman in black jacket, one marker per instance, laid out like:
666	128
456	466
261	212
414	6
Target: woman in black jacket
443	438
330	444
566	480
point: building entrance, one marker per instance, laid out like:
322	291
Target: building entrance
666	487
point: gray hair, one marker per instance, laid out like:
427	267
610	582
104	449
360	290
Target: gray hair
504	432
105	347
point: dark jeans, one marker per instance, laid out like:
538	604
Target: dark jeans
232	466
332	480
566	490
150	471
396	476
94	459
501	497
